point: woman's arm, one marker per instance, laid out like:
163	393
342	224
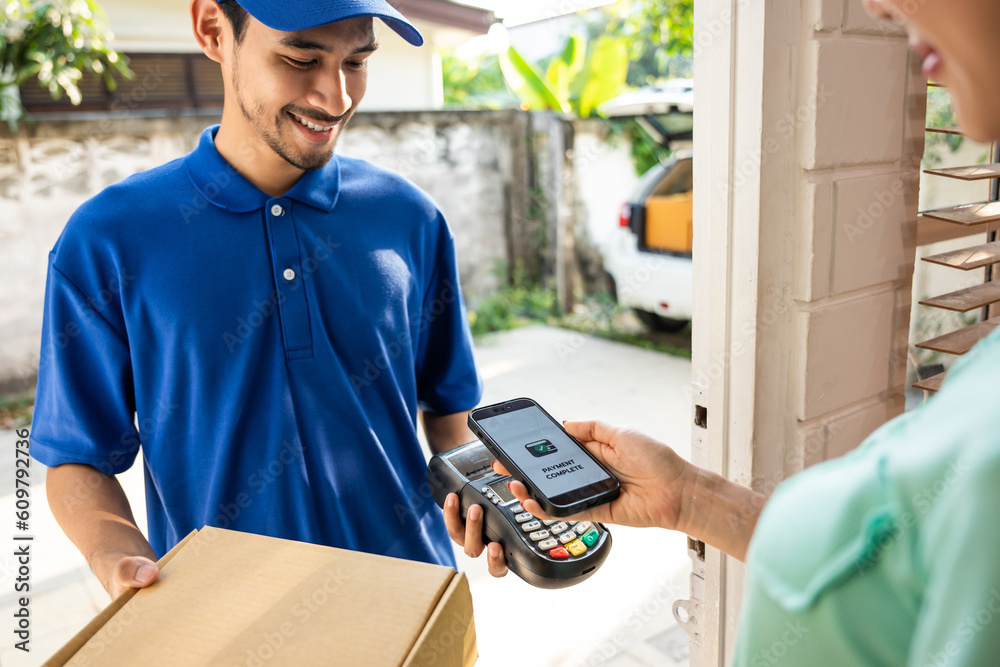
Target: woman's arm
659	488
719	512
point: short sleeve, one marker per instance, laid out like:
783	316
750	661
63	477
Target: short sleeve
447	379
84	402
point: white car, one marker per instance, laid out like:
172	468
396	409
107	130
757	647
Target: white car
648	260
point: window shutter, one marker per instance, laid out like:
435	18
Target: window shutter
965	219
163	81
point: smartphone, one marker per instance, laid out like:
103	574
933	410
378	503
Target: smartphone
559	472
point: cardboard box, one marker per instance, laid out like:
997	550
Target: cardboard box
229	598
669	222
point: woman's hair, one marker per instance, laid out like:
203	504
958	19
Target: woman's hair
237	18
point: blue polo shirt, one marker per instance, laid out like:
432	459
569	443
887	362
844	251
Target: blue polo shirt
269	353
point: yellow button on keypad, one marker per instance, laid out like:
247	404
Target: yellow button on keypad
577	548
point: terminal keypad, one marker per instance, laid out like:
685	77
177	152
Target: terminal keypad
560	540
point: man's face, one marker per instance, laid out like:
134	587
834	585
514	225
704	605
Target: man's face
957	42
297	90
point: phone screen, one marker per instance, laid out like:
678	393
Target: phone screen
543	452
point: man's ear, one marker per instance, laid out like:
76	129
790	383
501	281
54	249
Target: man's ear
207	21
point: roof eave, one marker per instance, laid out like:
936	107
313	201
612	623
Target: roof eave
446	13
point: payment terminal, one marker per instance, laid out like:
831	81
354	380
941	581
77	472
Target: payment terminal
546	554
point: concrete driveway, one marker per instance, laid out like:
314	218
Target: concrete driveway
620	616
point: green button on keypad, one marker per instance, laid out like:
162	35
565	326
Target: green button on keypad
590	539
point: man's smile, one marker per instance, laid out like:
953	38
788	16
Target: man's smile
314	126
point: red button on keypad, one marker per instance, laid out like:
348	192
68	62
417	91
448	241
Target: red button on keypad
559	552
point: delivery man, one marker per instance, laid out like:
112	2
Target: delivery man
264	318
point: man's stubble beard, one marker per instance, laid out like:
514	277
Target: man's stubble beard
272	137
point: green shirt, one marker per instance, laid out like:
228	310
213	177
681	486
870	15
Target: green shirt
889	555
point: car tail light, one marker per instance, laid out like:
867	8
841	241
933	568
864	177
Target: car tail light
626	215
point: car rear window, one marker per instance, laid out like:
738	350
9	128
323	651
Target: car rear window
676	181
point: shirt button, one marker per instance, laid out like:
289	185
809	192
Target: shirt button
289	275
277	210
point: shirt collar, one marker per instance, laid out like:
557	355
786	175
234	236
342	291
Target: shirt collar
220	183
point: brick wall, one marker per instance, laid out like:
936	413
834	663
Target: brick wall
859	173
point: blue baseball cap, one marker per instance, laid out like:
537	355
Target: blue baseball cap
291	15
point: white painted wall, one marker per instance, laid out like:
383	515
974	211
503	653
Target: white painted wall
605	175
152	26
402	77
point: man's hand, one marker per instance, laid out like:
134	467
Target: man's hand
652	476
446	432
469	534
127	572
93	511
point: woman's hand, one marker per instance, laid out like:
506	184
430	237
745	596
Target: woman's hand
659	488
652	476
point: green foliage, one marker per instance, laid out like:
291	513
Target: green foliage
475	83
566	67
582	77
527	84
524	302
15	410
604	76
55	42
521	302
647	152
940	114
634	43
660	35
516	306
599	315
